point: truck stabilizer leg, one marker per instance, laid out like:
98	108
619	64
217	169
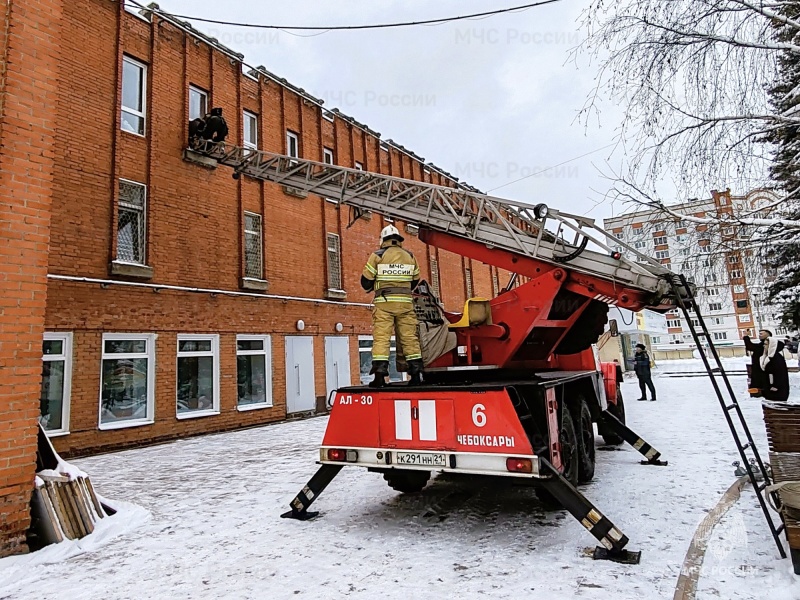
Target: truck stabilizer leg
651	454
310	492
591	518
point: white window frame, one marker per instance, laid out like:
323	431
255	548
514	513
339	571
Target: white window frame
359	166
673	323
292	139
267	353
660	240
132	111
327	156
260	234
720	335
337	252
639	244
249	118
712	292
662	254
214	353
143	208
66	355
714	306
736	274
203	94
150	355
745	318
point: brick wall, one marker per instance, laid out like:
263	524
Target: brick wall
27	101
195	221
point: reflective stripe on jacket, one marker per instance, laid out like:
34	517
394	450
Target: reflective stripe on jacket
394	271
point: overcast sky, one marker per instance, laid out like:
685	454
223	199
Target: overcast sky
489	101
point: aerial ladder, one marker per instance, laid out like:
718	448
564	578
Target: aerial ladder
526	361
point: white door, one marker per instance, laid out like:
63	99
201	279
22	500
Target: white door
300	374
337	363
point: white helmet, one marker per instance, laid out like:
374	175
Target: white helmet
389	231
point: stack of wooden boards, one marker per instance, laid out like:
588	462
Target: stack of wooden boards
65	509
783	430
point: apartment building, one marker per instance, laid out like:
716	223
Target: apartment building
703	240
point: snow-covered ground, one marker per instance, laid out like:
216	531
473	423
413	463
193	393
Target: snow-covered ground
214	531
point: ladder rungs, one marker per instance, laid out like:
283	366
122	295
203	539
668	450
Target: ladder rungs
730	406
762	487
780	528
746	446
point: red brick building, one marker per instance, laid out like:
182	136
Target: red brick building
182	301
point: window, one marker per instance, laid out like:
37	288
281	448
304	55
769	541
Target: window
712	292
134	89
736	274
435	276
292	145
695	322
715	306
738	289
620	236
365	359
741	304
327	156
655	340
673	322
468	281
127	380
253	371
198	375
359	166
638	231
717	320
681	237
705	249
56	383
733	259
198	103
251	130
639	244
662	254
131	222
253	248
334	263
720	335
660	240
744	318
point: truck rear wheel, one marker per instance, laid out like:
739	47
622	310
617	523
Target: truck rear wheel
407	481
569	457
585	435
618	410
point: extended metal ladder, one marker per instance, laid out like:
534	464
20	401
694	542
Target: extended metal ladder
515	227
687	303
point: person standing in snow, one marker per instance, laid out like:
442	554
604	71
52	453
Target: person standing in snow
773	364
641	365
758	379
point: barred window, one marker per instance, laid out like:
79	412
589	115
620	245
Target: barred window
131	222
435	276
334	263
253	259
495	282
468	280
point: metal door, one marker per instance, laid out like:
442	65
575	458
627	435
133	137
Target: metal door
337	363
300	374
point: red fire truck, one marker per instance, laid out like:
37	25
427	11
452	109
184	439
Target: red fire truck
521	388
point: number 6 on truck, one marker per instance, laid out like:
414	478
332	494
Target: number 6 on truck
478	415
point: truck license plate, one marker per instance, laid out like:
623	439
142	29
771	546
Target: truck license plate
423	460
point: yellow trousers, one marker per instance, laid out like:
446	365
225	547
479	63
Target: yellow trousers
400	318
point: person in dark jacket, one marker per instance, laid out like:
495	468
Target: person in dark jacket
758	379
774	366
641	365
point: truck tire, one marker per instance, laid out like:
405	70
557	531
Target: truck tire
584	428
406	480
586	330
569	457
618	410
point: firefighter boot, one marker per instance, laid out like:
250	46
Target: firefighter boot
380	368
415	370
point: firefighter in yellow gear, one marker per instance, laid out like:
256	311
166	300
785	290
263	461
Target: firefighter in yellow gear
392	272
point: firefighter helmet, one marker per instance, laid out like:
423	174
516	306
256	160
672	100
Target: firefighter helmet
389	231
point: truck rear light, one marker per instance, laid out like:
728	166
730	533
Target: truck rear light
342	455
519	465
